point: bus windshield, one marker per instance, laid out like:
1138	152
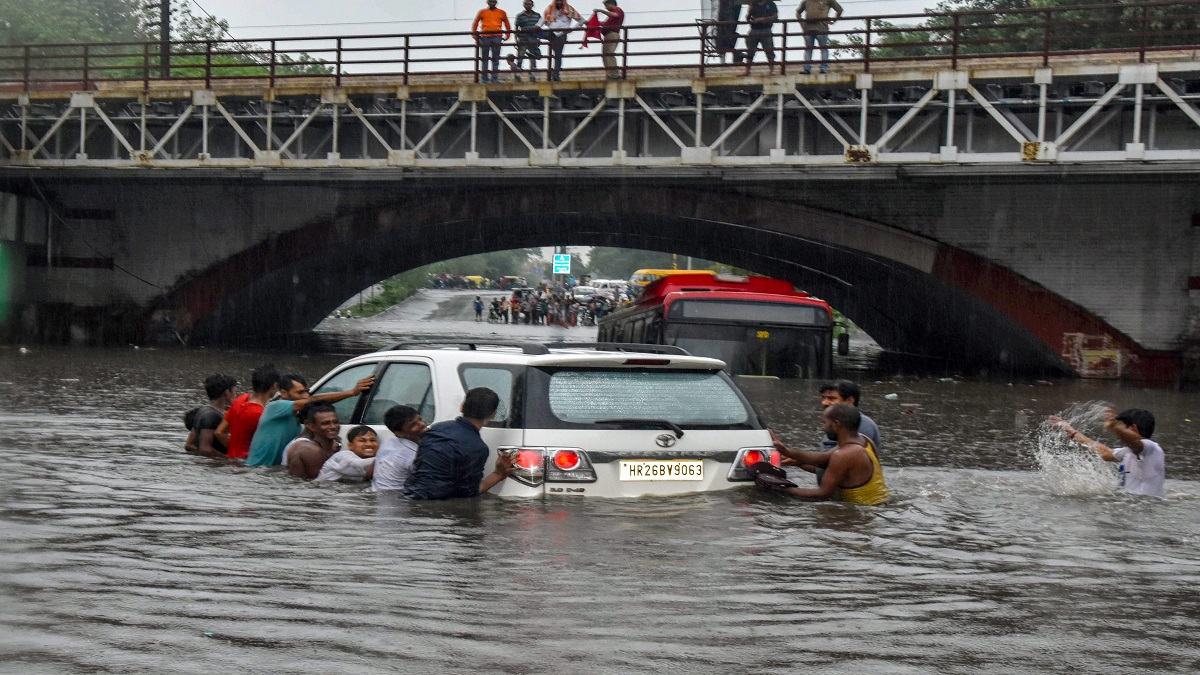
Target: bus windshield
757	350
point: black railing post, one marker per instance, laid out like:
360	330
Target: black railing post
1049	17
407	57
954	43
867	48
27	66
146	65
1145	31
706	34
274	60
337	78
783	49
625	52
208	64
87	67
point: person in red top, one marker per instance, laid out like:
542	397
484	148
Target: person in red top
610	33
243	414
490	30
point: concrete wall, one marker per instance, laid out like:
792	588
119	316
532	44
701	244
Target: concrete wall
1104	252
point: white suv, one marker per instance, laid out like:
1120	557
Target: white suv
593	420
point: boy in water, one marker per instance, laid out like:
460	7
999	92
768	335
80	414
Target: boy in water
357	461
1142	461
396	455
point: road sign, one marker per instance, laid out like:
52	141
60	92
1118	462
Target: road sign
562	263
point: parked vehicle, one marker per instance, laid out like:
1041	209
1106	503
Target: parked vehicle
756	325
589	420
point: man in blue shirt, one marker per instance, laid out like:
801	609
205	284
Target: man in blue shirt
452	455
842	391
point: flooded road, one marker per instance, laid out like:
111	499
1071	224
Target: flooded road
120	553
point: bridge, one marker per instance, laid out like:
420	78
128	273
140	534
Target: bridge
961	195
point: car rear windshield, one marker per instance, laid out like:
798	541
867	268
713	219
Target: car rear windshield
580	397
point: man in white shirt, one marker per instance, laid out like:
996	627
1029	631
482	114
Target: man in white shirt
1142	461
395	457
357	461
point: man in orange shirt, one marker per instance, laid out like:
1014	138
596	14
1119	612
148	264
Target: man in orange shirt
243	414
490	30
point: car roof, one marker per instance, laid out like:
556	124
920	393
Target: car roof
602	355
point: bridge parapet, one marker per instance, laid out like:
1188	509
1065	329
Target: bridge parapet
1016	88
1007	112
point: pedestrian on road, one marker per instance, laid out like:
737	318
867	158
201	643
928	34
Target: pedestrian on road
478	308
814	15
761	16
610	34
490	30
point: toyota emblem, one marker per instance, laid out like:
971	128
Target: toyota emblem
665	440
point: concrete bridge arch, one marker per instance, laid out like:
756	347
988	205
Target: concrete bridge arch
911	293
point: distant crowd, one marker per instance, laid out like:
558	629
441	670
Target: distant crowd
550	306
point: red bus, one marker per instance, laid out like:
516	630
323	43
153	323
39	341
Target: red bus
756	325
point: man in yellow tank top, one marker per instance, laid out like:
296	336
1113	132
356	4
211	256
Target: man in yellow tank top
852	471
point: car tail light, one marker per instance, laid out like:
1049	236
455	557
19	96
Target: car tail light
566	460
530	463
569	465
754	457
748	456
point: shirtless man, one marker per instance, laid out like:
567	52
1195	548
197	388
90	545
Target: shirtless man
306	458
852	471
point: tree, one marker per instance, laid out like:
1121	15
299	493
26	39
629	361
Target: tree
621	263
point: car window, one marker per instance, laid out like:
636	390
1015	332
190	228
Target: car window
343	381
684	397
499	380
409	384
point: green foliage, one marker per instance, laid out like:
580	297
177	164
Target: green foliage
78	22
621	263
1051	24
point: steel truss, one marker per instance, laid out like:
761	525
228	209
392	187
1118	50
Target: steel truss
1140	112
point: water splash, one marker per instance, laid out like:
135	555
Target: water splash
1066	467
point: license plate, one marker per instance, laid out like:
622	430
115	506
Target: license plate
650	469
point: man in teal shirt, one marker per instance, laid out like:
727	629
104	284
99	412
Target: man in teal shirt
278	426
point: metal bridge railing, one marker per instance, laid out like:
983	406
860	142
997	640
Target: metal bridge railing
857	43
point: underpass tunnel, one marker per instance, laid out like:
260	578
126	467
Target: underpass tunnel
903	309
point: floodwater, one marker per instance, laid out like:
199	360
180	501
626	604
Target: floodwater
118	553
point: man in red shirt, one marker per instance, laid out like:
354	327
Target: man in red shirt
246	409
610	32
490	30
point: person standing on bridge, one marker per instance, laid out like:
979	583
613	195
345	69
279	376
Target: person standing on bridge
814	15
610	32
490	30
528	40
559	18
761	16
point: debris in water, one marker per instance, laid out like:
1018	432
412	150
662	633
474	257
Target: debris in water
891	397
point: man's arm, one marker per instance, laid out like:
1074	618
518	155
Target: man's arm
1099	448
190	445
507	28
222	433
833	4
335	396
837	466
802	458
475	25
503	469
205	444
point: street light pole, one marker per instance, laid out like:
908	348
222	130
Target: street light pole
164	39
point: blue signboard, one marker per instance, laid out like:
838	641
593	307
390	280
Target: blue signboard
562	263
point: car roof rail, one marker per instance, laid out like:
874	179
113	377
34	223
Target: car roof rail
530	348
631	347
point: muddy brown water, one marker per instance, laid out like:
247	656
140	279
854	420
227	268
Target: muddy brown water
118	553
